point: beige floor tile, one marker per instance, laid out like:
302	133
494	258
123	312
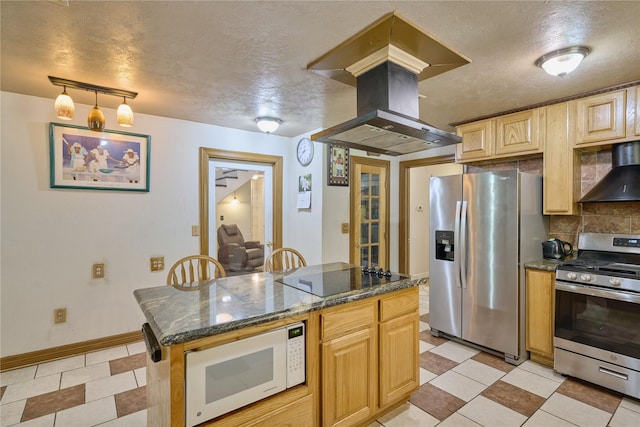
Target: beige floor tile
491	414
630	403
542	386
31	388
424	326
141	376
545	419
458	385
106	355
58	366
425	346
137	419
624	417
18	375
455	351
543	371
46	421
85	375
12	412
90	414
109	386
135	348
575	412
480	372
457	420
426	376
407	415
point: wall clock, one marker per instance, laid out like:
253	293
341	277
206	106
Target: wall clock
304	152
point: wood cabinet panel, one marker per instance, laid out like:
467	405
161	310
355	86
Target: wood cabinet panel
295	414
403	302
477	140
601	117
518	133
399	353
636	92
341	321
540	306
349	378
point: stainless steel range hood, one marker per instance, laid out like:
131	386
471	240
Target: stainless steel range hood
622	183
386	123
385	61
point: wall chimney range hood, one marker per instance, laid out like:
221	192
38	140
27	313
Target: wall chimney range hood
385	62
622	183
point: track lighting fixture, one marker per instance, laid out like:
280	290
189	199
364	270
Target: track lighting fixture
64	104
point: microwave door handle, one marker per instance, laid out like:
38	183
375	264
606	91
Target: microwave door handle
463	241
456	245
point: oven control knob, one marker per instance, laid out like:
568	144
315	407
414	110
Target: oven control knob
585	277
572	276
614	281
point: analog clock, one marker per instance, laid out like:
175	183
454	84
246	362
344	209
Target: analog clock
304	152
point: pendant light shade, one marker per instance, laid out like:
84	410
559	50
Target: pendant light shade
95	121
125	115
64	106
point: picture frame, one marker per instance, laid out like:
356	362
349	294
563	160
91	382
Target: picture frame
108	160
338	165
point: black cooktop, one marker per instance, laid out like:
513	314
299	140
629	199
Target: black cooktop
336	282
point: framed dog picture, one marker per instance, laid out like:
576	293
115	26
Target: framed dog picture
109	160
338	165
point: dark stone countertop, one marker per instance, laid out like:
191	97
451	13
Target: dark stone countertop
177	315
543	264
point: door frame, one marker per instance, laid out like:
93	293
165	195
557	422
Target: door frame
355	210
208	154
403	209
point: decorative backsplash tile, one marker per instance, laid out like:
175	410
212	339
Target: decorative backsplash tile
616	217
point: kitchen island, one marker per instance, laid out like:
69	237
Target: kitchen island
361	342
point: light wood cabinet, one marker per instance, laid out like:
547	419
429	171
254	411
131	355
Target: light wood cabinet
601	118
636	94
518	133
399	364
560	162
540	306
477	141
504	136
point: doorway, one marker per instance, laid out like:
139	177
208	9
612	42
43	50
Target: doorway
256	211
369	218
413	233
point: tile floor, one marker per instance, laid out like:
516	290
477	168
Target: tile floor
460	387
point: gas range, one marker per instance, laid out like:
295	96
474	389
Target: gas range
604	260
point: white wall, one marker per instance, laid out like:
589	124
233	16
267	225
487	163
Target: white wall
51	237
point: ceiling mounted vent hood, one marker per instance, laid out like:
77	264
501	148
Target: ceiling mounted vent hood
622	183
385	62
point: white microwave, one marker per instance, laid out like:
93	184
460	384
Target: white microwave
221	379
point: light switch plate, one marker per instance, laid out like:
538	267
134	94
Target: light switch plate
195	230
157	263
98	271
345	228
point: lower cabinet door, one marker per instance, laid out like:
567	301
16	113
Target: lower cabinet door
399	353
349	378
295	414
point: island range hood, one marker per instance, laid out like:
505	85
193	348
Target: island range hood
385	62
622	183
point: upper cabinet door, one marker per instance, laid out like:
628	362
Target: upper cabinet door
477	141
637	118
601	117
518	133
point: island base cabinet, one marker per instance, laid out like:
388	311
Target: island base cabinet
399	364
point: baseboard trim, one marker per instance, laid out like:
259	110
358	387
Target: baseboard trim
49	354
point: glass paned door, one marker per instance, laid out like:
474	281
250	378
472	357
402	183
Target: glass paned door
369	197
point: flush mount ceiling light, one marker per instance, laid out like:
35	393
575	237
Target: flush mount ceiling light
562	62
64	104
268	124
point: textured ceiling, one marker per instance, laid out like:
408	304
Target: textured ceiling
227	62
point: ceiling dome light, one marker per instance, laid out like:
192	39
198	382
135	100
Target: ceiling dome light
268	124
562	62
64	106
124	114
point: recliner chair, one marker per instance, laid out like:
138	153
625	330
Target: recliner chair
235	253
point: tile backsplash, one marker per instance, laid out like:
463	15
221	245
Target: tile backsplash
616	217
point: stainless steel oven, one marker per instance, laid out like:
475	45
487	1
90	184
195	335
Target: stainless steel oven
597	313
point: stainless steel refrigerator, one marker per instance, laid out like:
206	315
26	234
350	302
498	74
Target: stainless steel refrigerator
483	228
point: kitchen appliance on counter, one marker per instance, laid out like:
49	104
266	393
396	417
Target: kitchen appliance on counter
221	379
597	312
556	249
483	228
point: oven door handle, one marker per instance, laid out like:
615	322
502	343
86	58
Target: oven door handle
597	292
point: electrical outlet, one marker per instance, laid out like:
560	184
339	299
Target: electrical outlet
98	271
345	228
157	263
59	315
195	230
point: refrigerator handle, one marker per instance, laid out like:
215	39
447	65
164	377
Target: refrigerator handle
456	244
462	232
